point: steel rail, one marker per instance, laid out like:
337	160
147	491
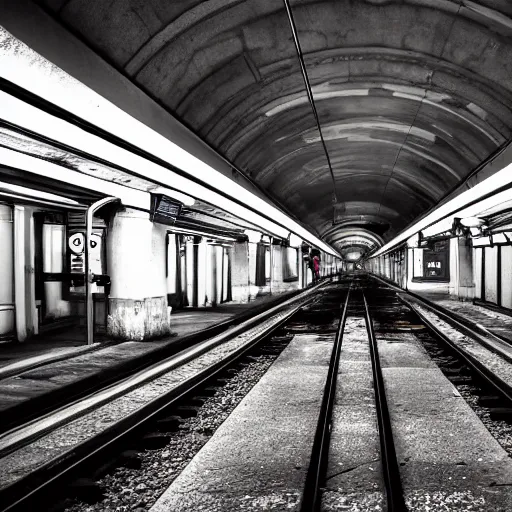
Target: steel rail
138	377
389	462
501	387
492	380
311	499
494	343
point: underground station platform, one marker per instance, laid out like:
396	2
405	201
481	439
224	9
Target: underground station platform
256	255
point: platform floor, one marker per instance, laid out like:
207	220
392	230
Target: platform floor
69	342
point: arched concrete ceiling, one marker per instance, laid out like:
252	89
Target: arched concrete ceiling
411	94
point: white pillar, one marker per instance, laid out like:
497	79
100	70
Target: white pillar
6	273
276	278
465	281
210	275
136	262
24	281
190	260
201	273
240	273
54	248
218	274
252	251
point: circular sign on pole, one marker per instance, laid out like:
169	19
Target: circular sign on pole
76	243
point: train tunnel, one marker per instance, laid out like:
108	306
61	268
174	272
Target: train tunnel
239	137
255	255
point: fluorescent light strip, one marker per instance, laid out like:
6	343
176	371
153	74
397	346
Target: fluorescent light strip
129	196
34	199
22	114
45	196
471	211
491	184
21	65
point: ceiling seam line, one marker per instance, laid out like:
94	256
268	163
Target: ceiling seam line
429	85
400	149
309	92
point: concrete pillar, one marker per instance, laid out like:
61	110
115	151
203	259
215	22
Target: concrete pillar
410	266
6	273
210	276
300	282
54	249
464	261
240	273
309	273
218	273
202	266
226	269
387	266
136	263
24	282
276	276
190	272
252	249
172	266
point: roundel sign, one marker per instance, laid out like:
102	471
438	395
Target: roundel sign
76	243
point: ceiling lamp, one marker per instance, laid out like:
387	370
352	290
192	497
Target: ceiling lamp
471	222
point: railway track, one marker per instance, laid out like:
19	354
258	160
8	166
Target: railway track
355	305
43	456
390	317
379	312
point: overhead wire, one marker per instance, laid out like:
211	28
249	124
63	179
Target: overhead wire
309	92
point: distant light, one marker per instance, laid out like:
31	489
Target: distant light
353	256
471	222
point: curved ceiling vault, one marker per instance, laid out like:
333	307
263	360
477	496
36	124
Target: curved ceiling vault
411	95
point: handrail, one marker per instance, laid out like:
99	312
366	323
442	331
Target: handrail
88	272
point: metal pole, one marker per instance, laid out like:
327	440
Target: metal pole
271	238
89	308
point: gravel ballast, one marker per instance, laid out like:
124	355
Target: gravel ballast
130	489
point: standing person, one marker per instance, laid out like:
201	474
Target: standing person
316	267
311	266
